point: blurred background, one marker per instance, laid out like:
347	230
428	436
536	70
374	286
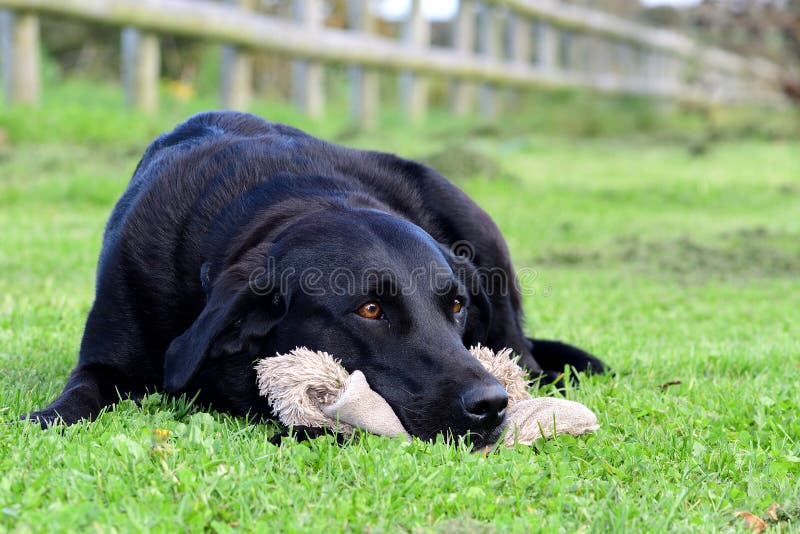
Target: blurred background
657	139
567	120
579	68
602	135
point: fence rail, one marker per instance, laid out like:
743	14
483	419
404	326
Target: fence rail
552	44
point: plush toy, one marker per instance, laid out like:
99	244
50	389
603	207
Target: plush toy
307	388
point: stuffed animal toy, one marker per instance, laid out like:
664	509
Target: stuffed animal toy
307	388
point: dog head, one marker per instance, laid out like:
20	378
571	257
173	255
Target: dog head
370	288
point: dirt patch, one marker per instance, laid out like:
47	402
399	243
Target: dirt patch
789	189
748	252
459	162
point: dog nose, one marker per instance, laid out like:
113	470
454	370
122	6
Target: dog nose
485	405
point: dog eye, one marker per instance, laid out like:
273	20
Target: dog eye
457	305
370	310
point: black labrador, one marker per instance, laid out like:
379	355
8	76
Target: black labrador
238	239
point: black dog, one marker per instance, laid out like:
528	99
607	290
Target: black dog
239	239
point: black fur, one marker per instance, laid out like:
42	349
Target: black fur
239	239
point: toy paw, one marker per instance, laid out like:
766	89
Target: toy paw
362	408
545	417
308	388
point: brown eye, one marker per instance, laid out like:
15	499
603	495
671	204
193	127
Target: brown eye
371	310
457	306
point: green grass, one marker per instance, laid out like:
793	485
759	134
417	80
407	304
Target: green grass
670	266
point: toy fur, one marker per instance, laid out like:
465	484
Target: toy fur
307	388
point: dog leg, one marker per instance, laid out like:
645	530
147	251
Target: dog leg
306	433
553	356
90	388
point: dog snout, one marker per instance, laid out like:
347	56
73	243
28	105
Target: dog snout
484	405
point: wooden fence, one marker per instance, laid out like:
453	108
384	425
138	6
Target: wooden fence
525	44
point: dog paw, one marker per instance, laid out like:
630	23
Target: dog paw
45	418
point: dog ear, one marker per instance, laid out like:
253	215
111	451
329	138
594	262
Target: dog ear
232	322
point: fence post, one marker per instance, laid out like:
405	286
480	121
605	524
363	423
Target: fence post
662	70
236	70
546	47
583	57
565	49
653	71
615	66
462	92
521	40
20	47
639	64
624	61
141	66
520	51
601	68
413	87
364	83
674	70
309	76
490	32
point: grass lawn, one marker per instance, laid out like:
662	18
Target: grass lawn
673	267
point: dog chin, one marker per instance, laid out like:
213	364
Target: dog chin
430	428
474	439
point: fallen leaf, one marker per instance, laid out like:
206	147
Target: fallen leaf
180	90
673	382
772	512
754	523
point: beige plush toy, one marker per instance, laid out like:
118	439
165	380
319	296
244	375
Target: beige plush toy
307	388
